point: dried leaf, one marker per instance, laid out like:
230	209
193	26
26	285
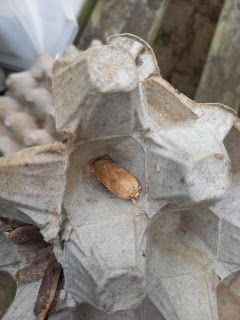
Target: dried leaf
53	308
116	179
32	272
40	255
47	289
3	221
29	236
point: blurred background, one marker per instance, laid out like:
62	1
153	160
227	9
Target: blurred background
196	43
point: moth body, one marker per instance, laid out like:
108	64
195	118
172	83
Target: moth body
116	179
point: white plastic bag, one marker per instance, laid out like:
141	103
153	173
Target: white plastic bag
28	27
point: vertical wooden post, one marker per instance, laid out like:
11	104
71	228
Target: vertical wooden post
220	81
109	17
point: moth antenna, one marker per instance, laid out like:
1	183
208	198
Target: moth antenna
136	204
140	208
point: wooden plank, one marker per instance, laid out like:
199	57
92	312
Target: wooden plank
138	17
220	80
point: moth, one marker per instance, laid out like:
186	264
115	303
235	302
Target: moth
117	180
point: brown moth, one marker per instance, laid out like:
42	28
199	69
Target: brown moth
116	179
